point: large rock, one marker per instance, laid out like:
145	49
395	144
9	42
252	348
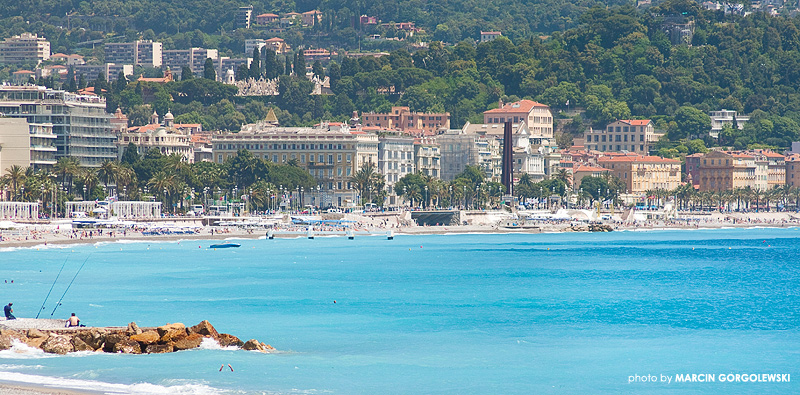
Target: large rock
32	333
127	346
188	342
171	332
255	345
133	329
57	344
94	338
147	337
13	334
158	348
226	340
5	342
112	339
204	328
80	345
35	342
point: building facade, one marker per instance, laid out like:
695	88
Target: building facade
793	170
25	48
331	152
722	118
536	116
459	149
643	173
243	16
164	137
142	52
427	156
80	122
110	70
722	171
395	160
414	123
636	135
195	58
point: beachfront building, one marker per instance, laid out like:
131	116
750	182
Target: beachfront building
413	123
536	116
14	143
722	118
19	210
121	208
727	170
80	123
460	148
331	152
634	135
195	58
395	160
776	167
427	157
141	52
643	173
582	170
25	48
164	137
793	170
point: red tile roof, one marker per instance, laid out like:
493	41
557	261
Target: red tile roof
522	106
588	169
637	158
636	122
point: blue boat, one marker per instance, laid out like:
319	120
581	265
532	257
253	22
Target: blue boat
225	245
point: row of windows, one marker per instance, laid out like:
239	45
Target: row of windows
617	138
283	146
625	129
619	147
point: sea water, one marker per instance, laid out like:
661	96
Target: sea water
446	314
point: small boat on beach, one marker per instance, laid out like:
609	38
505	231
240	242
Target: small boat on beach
225	245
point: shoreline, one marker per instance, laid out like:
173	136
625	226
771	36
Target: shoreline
9	387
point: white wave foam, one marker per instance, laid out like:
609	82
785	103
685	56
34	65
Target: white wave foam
171	387
211	344
20	350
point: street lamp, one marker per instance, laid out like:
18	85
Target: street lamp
426	196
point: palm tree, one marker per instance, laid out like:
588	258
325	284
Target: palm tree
15	176
67	168
108	172
564	176
366	180
88	178
164	184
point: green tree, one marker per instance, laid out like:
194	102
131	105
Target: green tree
186	73
690	122
208	70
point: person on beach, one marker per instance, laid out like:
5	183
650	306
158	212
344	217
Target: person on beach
73	321
8	310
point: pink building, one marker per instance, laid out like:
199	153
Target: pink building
401	118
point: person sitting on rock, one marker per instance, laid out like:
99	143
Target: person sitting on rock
73	321
8	310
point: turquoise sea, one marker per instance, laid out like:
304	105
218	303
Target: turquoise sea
446	314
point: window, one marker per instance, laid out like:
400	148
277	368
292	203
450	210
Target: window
339	158
275	158
284	157
617	138
303	158
348	158
330	158
311	157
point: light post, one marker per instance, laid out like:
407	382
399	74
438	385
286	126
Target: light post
165	199
83	196
451	195
404	193
464	190
302	202
427	198
477	191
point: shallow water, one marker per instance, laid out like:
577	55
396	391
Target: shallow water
466	314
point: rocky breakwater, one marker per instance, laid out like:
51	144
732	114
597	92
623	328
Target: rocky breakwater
592	228
130	340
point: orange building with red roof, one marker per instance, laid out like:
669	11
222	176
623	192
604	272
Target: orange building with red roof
632	135
643	173
536	116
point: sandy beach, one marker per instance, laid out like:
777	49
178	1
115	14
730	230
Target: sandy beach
40	235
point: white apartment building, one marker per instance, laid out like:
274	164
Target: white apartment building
25	48
395	160
719	119
195	58
142	52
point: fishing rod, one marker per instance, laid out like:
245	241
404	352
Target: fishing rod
70	285
52	286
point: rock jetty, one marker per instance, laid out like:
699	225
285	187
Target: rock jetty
130	340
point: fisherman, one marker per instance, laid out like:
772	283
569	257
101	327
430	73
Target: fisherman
73	321
8	310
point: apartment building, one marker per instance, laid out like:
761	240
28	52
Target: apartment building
793	170
722	118
24	48
427	156
331	152
635	135
110	70
141	52
460	148
395	160
79	122
414	123
243	16
727	170
643	173
537	117
164	137
195	58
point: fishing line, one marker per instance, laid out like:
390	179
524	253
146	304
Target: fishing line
70	285
52	286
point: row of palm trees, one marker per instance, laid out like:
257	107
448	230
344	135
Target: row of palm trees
739	199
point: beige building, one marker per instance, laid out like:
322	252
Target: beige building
164	137
15	143
414	123
793	170
25	48
643	173
586	170
636	135
776	168
195	58
331	152
536	116
722	171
